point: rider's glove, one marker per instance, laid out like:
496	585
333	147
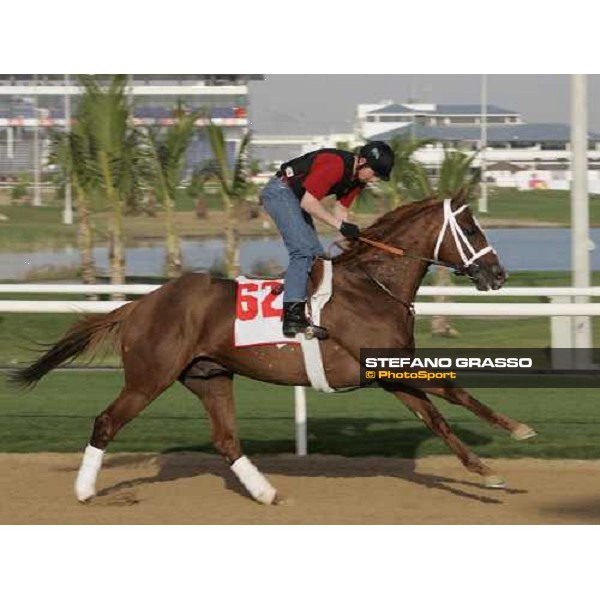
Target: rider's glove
349	230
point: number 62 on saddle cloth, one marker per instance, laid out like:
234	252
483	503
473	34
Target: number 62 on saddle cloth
258	313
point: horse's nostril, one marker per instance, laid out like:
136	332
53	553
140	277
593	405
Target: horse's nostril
499	273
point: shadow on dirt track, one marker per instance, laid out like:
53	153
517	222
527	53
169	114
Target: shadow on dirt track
399	449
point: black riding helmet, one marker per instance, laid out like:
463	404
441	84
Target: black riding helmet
380	157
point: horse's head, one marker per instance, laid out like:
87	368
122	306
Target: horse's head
461	241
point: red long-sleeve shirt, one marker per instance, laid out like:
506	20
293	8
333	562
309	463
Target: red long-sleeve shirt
326	170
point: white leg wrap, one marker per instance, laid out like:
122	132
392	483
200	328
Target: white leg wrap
85	484
254	481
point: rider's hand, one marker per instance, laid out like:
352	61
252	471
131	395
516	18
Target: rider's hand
349	230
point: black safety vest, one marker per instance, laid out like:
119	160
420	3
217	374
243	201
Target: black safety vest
296	170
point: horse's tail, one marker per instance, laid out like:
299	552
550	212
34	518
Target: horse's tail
84	336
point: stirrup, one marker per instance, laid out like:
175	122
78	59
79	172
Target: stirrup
309	331
315	331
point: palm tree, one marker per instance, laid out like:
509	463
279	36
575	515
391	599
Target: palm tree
234	189
457	175
408	179
106	112
167	154
196	190
137	172
72	152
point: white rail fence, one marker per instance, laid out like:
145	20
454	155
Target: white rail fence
565	303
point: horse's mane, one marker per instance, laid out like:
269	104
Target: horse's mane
390	221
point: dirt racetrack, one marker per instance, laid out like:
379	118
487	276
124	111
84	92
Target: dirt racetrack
199	489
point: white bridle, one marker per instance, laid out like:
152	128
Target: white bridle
463	245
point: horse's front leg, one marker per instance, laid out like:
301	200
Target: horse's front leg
460	396
418	403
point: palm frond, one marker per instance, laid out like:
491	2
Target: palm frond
457	175
408	179
105	112
241	172
421	186
219	151
167	151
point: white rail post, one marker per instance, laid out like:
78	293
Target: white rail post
300	418
580	219
561	336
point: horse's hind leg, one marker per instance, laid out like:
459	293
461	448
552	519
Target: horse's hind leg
460	397
418	403
129	403
216	394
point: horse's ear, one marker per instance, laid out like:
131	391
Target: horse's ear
459	199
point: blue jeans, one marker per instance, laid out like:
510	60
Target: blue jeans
298	233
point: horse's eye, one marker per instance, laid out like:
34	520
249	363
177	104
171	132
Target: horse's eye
470	231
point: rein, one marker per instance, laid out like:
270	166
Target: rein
409	306
467	253
401	252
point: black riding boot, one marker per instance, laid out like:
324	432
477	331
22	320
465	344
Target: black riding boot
295	321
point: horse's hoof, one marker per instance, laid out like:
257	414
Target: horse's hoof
84	490
267	498
493	481
523	432
84	496
282	501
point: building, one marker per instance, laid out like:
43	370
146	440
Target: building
32	104
523	146
523	155
377	119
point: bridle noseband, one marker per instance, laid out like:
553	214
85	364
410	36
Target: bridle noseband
463	245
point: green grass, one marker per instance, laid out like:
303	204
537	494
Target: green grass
20	332
536	206
58	414
57	417
32	228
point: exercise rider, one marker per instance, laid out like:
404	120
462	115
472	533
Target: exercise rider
293	197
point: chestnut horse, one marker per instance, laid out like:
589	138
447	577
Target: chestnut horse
184	331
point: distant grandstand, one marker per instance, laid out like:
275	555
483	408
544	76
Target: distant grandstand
31	104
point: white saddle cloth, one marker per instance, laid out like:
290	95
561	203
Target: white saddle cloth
258	321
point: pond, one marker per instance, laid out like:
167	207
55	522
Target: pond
519	249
